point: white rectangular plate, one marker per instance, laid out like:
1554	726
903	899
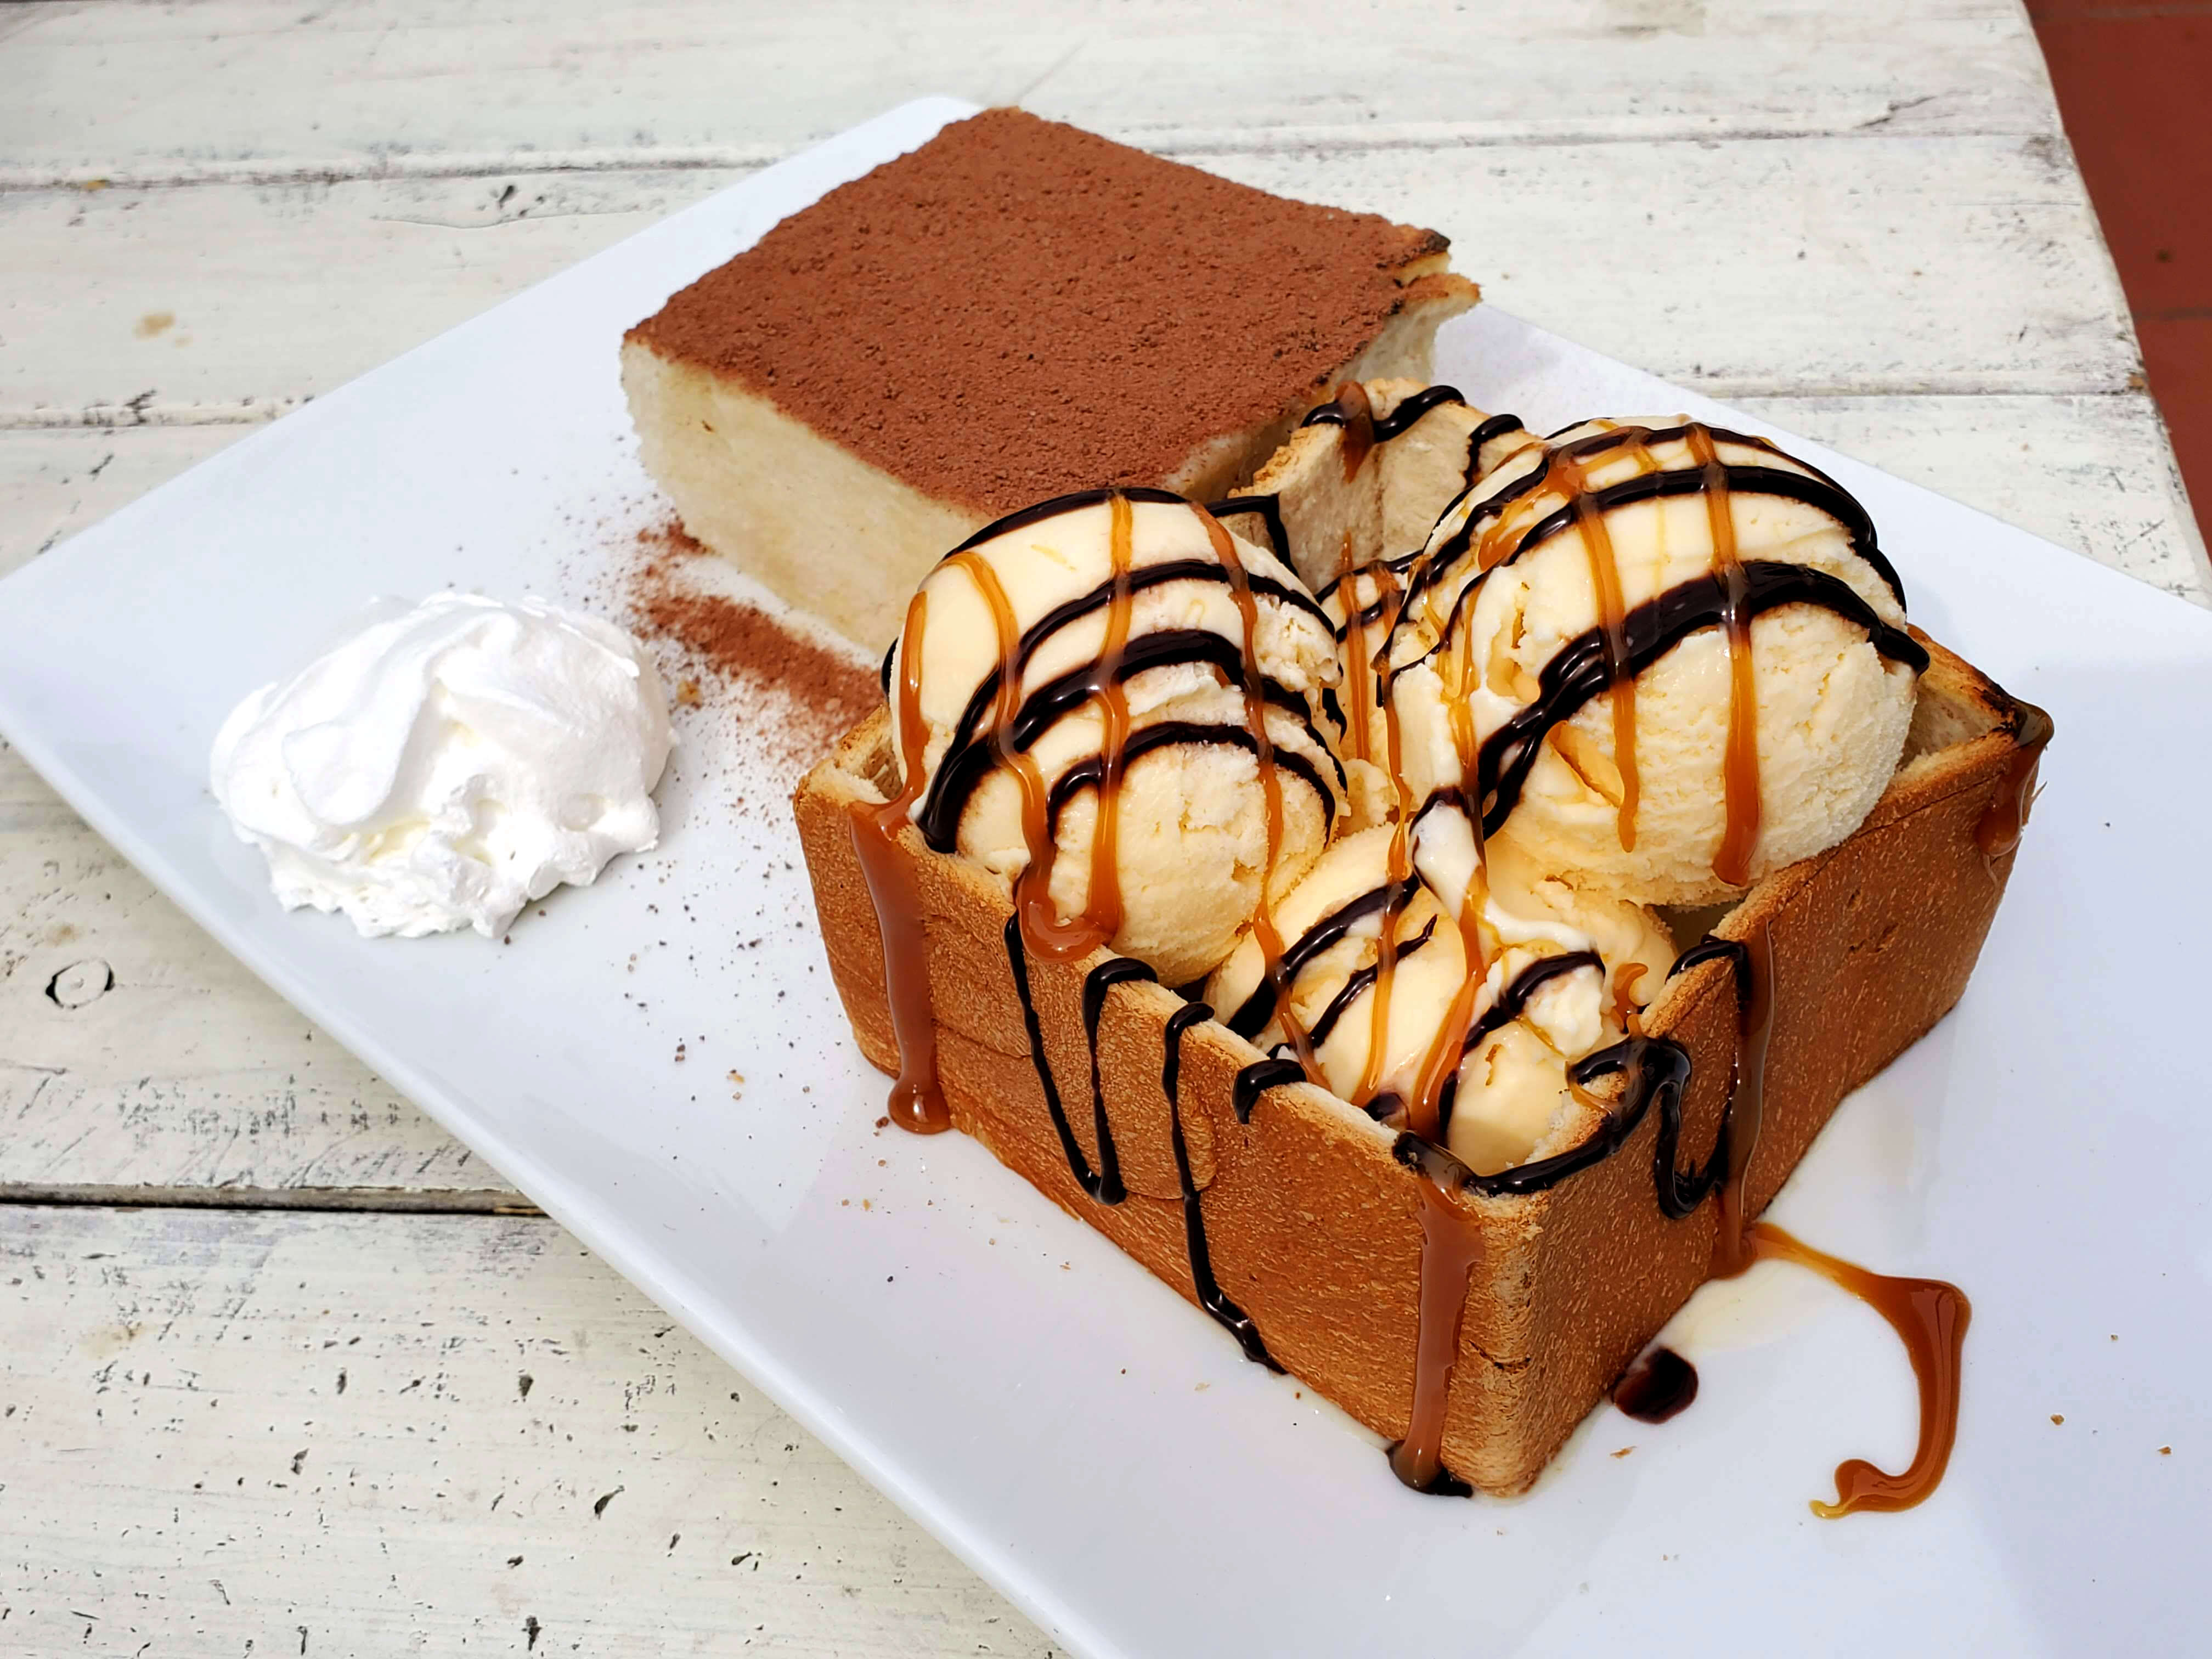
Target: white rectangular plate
1093	1445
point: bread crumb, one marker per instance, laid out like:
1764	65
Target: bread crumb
2058	1417
1624	1452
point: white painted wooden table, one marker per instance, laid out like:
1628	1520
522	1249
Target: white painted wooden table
284	1368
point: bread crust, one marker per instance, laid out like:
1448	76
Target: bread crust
1315	1227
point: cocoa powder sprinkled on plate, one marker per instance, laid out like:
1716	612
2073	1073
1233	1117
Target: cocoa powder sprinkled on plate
797	694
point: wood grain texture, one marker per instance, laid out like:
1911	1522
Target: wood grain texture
138	1058
253	1431
269	89
1745	267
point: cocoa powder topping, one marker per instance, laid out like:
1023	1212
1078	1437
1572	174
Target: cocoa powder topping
1019	309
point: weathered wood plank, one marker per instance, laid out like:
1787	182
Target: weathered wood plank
286	1434
1817	266
2093	473
136	1053
54	484
1746	268
283	89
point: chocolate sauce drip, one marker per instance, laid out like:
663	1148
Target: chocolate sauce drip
1252	1015
1352	409
1577	672
1211	1296
1658	1385
1358	985
2000	827
1114	970
973	753
1399	566
1103	1183
1710	948
1270	510
1512	1002
1658	1072
1399	420
1257	1078
1928	1314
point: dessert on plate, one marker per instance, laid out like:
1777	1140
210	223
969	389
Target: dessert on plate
1014	310
1437	1011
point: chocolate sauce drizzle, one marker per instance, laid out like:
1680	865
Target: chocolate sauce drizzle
1253	1014
1269	511
973	753
1104	1183
1812	488
996	729
1360	982
1257	1078
1512	1002
1211	1296
1580	670
1398	420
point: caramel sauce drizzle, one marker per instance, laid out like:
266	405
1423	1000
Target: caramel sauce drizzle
1270	787
1398	865
1929	1317
1451	1249
1040	920
1613	614
917	1101
1740	771
1360	687
1440	1067
1046	933
1357	410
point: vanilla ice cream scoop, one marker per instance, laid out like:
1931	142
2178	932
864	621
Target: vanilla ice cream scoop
1664	659
1124	715
1560	972
444	768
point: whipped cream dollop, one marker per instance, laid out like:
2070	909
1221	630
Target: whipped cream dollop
444	768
